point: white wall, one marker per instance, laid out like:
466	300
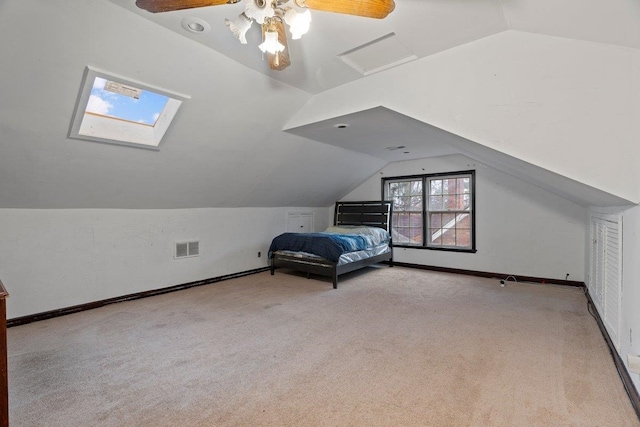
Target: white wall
549	101
520	229
51	259
630	314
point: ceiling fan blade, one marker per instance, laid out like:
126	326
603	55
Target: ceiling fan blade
155	6
368	8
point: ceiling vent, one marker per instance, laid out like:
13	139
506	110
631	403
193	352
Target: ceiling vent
377	55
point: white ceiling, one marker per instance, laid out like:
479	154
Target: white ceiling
425	27
375	132
227	147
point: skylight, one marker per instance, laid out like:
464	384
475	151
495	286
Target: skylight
116	110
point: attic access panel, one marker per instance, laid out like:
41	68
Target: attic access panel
378	55
116	110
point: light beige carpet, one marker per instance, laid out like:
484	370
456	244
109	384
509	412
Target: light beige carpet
390	347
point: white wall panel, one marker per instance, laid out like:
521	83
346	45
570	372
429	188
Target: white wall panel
520	229
51	259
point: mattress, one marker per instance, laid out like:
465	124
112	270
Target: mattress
344	258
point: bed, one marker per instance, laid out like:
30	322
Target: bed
359	237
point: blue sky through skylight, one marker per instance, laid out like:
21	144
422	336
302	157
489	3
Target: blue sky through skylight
145	110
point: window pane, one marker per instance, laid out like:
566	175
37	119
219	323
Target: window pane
402	219
449	237
464	221
435	203
416	188
435	220
436	187
416	235
416	220
404	203
435	236
400	235
448	220
463	185
463	238
416	203
407	235
449	203
458	202
448	186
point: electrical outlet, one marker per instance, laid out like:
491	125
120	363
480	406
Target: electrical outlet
259	254
634	363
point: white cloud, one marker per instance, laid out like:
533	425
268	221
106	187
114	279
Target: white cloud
155	117
98	105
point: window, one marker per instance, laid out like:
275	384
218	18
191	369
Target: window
120	111
433	211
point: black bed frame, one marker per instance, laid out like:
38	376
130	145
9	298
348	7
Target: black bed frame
370	213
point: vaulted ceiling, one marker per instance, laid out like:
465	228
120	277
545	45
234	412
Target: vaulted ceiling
423	27
546	90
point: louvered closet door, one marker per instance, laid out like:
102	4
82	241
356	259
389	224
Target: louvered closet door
605	278
597	262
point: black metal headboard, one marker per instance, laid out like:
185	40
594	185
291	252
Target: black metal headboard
372	213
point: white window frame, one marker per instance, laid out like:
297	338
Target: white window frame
109	130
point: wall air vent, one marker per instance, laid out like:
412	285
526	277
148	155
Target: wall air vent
194	248
187	249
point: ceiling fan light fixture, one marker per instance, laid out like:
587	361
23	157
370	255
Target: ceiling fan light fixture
299	23
260	10
270	43
280	60
240	26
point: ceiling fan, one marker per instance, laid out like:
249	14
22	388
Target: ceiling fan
273	14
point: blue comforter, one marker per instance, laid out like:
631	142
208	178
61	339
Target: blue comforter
326	245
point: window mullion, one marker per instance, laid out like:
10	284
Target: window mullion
425	204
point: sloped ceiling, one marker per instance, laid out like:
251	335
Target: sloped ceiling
225	148
565	106
424	27
371	131
546	83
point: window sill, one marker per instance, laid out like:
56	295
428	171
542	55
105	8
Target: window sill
472	251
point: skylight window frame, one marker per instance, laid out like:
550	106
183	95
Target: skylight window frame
154	134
